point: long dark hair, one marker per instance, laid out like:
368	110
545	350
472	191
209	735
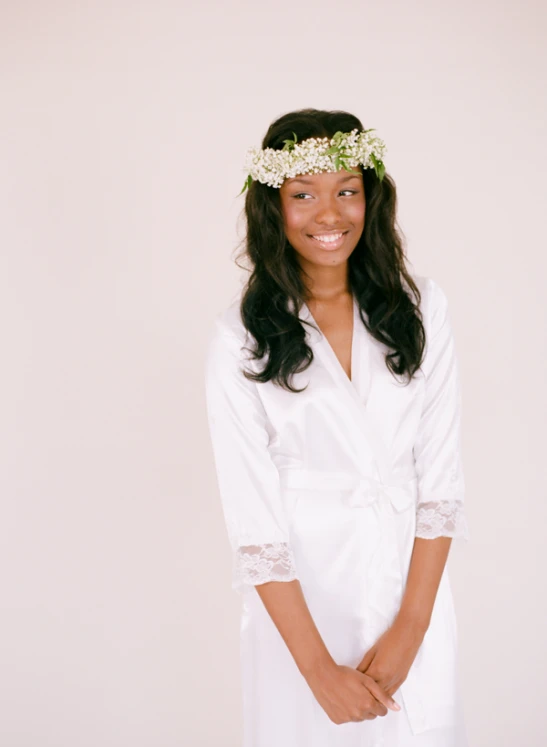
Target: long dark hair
274	291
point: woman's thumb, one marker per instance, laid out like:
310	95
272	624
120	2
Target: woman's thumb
366	661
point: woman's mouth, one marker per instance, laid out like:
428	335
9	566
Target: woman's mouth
329	241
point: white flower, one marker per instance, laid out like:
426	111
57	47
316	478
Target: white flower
271	166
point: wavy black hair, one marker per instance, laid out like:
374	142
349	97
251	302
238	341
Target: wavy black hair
274	291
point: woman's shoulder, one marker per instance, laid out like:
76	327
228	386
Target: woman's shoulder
228	323
425	283
432	294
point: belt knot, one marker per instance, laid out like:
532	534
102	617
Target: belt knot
368	491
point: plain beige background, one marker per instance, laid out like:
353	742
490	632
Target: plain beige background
123	129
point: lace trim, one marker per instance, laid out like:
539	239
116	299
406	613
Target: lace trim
258	564
445	519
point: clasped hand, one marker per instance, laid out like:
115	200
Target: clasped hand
389	660
364	693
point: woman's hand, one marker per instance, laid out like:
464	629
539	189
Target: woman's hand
348	695
390	658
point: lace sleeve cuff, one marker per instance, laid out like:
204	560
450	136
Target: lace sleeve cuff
443	519
258	564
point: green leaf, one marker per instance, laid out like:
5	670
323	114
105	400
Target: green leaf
379	167
289	144
248	182
381	170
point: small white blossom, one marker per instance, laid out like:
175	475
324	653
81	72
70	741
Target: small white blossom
271	166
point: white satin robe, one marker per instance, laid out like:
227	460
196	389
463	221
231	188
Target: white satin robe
331	486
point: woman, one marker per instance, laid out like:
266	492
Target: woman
334	405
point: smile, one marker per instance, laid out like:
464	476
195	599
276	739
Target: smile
330	240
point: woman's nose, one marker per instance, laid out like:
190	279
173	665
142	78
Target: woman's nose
328	212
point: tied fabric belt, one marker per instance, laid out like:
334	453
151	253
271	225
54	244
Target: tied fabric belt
400	492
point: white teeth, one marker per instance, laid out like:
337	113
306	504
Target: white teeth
328	237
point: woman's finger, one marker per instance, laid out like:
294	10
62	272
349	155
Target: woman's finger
380	694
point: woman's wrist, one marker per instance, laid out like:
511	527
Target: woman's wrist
416	620
318	668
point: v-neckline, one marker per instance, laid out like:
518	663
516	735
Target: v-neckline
352	382
362	380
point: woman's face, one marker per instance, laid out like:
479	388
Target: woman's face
324	215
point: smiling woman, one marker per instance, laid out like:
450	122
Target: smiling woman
331	213
333	400
324	183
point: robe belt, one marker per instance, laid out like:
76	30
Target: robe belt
400	491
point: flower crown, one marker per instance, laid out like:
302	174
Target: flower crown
344	150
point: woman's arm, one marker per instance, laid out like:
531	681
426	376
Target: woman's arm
440	515
289	611
424	576
389	660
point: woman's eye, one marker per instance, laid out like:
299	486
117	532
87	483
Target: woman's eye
304	194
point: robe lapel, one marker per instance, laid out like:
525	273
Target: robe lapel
358	395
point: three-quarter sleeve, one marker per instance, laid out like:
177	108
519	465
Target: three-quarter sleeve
248	479
437	449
